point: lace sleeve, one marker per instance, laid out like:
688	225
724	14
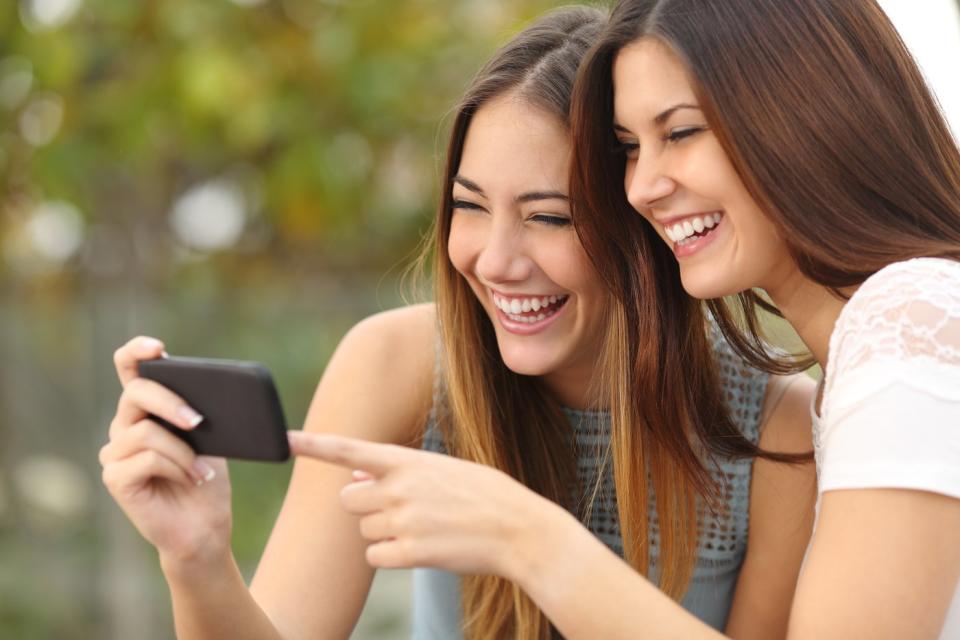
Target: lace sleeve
902	324
891	405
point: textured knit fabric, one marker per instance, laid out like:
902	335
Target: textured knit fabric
437	606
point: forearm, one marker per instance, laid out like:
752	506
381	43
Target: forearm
588	592
214	602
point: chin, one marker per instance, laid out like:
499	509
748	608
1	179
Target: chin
526	367
704	285
526	363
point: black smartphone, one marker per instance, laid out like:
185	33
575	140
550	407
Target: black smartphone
242	415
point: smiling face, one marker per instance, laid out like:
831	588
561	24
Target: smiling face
680	179
511	237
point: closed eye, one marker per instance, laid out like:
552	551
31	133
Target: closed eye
675	135
552	220
622	147
467	205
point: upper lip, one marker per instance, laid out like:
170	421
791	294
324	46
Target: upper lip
501	294
671	220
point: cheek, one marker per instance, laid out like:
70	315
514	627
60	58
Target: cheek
567	264
708	167
762	235
461	247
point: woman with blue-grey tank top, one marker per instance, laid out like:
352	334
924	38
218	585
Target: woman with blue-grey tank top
550	401
721	548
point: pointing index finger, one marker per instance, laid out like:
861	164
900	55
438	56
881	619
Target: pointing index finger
372	457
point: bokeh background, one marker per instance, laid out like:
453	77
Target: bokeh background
245	179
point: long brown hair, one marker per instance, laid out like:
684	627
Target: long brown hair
824	115
664	424
487	413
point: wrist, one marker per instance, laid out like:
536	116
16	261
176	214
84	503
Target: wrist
197	568
541	541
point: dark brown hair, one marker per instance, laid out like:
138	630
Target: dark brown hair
824	115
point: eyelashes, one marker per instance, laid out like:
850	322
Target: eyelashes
550	220
464	204
553	221
622	147
681	133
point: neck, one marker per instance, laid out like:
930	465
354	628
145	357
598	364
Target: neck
810	308
571	387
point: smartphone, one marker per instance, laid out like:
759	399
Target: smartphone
242	415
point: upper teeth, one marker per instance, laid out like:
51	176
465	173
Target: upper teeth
522	305
683	230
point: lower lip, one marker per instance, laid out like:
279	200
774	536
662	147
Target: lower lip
691	247
524	328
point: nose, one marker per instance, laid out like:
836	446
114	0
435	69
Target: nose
646	184
502	256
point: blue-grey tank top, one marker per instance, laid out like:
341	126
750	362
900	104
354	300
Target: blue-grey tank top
436	594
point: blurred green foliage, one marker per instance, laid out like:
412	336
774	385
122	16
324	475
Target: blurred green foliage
327	110
301	138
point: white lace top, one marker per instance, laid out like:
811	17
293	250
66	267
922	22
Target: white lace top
890	413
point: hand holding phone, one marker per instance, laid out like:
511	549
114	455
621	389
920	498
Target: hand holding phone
242	415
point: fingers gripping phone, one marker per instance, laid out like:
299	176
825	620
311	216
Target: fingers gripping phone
242	415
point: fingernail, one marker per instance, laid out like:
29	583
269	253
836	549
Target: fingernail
203	471
191	417
164	354
361	475
150	343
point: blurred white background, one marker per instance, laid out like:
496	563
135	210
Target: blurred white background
931	29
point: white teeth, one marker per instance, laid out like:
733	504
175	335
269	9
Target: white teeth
513	308
683	230
528	319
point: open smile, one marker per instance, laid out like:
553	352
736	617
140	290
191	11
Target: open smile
526	315
689	234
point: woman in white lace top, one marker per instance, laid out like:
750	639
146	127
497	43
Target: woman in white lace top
792	146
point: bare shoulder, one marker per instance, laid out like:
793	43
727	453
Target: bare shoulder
380	378
402	336
377	386
786	423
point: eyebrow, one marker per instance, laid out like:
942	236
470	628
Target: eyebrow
469	184
662	117
533	196
529	196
